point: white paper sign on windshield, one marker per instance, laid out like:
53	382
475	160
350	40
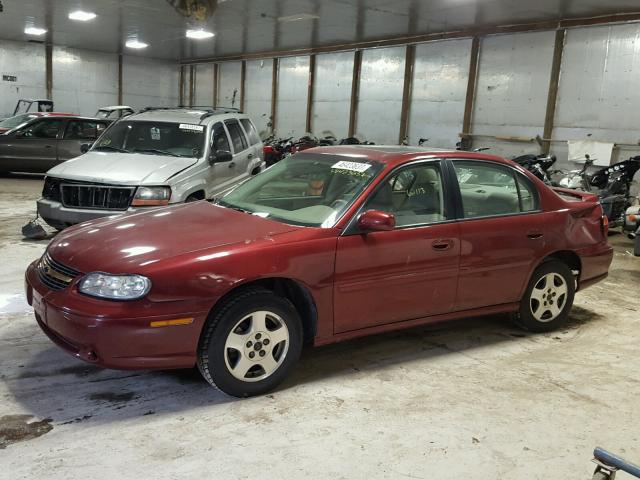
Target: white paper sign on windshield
192	128
352	166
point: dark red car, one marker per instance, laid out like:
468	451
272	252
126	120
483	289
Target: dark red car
333	244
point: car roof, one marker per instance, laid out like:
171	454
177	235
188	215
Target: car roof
395	155
116	107
194	115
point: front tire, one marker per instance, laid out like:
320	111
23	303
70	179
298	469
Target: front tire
251	344
548	298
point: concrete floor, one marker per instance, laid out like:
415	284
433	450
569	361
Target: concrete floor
476	399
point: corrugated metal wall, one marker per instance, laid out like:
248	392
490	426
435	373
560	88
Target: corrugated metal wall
334	75
599	95
380	100
438	95
257	102
148	82
84	81
204	85
229	89
26	62
293	84
511	96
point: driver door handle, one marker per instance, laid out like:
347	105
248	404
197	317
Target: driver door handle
232	164
534	235
250	156
442	244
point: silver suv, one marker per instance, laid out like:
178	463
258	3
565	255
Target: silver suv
153	158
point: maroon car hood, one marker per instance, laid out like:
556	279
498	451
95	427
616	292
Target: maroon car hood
127	243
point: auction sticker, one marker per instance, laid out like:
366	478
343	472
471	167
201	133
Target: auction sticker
192	128
352	166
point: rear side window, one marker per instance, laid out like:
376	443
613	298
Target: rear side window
238	139
487	189
43	129
251	131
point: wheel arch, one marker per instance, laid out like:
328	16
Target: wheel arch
568	257
296	292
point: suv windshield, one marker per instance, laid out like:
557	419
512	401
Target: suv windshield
309	189
154	138
18	120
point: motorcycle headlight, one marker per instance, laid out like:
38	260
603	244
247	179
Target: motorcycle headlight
115	287
151	196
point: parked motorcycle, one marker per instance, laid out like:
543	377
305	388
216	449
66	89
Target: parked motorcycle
614	183
539	165
578	179
275	149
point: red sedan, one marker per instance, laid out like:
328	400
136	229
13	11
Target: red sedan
336	243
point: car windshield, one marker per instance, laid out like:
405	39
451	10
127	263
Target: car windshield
308	189
154	138
16	121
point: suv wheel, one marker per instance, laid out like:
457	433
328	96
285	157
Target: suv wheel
548	299
251	344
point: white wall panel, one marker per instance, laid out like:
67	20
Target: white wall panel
331	101
150	82
27	62
599	95
293	86
84	81
380	100
513	83
204	85
438	92
257	101
229	90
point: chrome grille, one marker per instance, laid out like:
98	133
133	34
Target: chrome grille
99	197
55	275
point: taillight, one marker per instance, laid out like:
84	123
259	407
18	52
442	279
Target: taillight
604	224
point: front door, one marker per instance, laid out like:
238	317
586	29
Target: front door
34	147
408	273
242	153
502	232
77	133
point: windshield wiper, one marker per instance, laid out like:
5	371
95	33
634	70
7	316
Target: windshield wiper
111	147
232	207
157	152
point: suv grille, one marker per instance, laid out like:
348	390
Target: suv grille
53	274
94	196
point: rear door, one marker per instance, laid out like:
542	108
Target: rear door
407	273
77	133
242	154
255	158
33	148
502	231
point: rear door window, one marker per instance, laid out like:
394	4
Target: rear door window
238	139
488	189
47	129
251	131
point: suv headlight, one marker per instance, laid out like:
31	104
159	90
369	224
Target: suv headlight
115	287
151	196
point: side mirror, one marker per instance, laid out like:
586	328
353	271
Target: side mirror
220	156
376	221
84	148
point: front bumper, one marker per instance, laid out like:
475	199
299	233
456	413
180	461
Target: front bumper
58	215
114	334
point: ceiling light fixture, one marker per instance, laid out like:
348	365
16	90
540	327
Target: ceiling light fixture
35	31
136	44
82	16
199	34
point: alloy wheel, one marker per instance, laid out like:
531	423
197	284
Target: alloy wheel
256	346
548	297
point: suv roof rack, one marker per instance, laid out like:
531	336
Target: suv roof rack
209	111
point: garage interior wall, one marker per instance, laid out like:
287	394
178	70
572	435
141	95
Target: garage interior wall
257	102
596	93
84	80
229	89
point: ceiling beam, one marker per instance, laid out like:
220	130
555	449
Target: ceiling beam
429	37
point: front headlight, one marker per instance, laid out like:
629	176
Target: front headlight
151	196
115	287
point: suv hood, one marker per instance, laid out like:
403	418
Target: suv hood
121	168
128	243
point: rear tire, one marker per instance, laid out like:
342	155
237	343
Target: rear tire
548	298
251	344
